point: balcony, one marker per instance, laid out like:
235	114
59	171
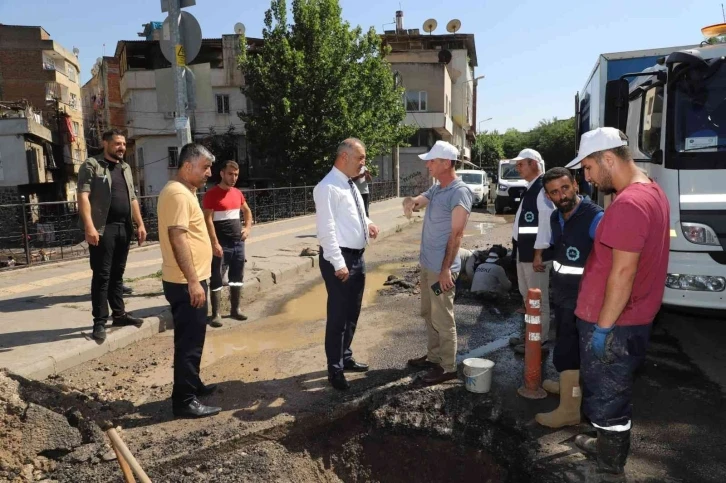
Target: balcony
437	121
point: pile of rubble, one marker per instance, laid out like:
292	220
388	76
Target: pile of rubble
44	427
407	284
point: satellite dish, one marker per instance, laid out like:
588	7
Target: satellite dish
430	25
239	28
76	51
453	26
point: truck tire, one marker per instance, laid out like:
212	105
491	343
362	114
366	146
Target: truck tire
498	206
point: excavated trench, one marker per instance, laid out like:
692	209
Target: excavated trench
431	435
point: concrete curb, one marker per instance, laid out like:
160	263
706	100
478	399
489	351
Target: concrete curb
125	336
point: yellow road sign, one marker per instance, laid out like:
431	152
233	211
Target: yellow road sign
180	55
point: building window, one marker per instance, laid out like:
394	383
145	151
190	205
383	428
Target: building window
76	128
48	63
71	73
652	121
73	102
222	104
77	157
174	157
416	101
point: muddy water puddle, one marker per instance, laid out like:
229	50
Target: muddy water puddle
299	323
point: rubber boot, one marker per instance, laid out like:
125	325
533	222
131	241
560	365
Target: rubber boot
587	444
551	386
215	296
568	412
235	293
612	452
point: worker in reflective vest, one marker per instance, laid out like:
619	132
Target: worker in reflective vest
532	233
573	231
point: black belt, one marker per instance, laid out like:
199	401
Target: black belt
349	251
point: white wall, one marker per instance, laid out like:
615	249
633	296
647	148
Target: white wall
156	164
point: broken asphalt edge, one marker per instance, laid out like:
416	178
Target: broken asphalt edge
125	336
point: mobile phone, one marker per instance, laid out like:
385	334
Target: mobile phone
437	288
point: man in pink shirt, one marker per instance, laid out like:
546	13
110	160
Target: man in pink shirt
620	293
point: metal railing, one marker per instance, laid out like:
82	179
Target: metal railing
35	233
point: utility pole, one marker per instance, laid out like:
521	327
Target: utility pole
181	121
396	174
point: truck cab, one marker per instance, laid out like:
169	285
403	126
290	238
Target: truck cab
674	115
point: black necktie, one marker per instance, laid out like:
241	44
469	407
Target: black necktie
360	210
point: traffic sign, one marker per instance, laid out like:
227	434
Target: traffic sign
191	39
182	4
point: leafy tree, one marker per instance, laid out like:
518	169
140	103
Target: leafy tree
487	150
554	139
223	146
314	83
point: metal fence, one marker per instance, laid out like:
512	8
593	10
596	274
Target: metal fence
32	233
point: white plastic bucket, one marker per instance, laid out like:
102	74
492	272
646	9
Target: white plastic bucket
478	373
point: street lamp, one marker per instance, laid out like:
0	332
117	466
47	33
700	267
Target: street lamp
484	120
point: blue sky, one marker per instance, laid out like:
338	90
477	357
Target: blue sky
535	55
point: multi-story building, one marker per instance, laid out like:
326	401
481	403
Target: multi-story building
102	105
437	72
35	68
147	94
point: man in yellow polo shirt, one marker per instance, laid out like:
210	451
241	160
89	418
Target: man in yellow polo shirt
187	259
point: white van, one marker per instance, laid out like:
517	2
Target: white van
510	187
478	183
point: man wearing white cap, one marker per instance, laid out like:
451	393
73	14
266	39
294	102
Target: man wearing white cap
620	293
532	233
449	204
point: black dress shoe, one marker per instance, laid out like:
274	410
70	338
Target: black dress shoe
206	390
127	290
99	332
195	409
338	381
127	319
354	366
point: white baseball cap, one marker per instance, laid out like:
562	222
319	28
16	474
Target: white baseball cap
600	139
441	150
529	154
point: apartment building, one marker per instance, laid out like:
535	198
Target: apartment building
147	93
37	69
437	72
103	108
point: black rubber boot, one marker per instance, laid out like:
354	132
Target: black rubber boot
215	296
235	294
612	452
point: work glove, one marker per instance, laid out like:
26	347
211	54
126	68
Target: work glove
601	342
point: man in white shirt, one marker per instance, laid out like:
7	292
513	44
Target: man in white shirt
343	233
533	233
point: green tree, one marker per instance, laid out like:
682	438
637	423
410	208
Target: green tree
487	150
513	141
314	83
554	139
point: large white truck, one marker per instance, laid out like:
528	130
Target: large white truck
671	103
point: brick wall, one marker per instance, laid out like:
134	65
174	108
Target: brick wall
116	113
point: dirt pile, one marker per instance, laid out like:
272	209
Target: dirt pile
408	283
44	427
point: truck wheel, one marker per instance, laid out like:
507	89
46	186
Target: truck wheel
498	207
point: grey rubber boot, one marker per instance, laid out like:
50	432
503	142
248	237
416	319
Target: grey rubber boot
235	294
216	298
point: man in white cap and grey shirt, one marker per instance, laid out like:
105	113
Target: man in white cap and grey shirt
533	234
449	204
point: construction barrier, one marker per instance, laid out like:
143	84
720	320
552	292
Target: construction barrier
532	388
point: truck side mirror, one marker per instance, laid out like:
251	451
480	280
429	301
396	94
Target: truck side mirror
495	178
616	104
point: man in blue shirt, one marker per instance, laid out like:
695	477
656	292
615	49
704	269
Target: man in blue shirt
573	230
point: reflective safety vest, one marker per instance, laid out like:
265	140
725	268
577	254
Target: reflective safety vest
572	246
528	225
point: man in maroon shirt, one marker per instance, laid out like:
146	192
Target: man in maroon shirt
620	293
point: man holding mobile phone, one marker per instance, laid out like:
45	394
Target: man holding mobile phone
449	204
